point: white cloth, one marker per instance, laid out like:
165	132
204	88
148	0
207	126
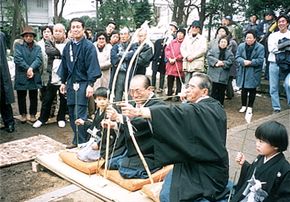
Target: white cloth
273	43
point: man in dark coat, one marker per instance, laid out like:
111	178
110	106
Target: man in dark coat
192	136
158	61
7	95
28	61
158	64
78	71
145	55
130	165
117	53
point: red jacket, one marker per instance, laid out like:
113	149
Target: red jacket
172	51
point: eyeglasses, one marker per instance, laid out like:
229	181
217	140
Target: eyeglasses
189	86
136	91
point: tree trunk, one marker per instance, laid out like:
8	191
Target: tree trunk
180	13
174	10
58	16
55	9
209	27
16	22
202	13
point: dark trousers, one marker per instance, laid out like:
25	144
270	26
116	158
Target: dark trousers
230	90
50	94
161	80
80	133
170	84
218	92
42	92
120	86
21	96
6	110
252	96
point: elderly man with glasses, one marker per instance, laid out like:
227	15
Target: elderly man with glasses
130	164
192	136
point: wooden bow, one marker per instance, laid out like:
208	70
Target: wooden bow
130	127
112	96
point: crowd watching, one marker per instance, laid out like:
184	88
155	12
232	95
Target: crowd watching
81	72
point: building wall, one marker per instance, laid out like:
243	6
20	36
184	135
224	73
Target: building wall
40	12
164	12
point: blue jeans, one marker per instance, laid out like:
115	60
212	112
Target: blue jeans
287	87
165	191
274	85
139	173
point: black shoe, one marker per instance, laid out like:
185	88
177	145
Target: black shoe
10	129
276	111
71	146
176	99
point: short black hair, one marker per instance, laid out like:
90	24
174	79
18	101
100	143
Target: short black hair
101	92
77	20
253	32
115	32
224	28
270	12
283	16
273	133
100	34
46	27
226	38
111	22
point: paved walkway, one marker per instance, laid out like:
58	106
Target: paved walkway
242	138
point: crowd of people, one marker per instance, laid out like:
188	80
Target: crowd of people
88	71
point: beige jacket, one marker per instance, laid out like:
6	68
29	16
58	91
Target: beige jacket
195	47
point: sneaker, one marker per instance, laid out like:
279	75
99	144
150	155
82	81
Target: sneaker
61	124
37	124
243	109
23	118
249	110
276	111
32	118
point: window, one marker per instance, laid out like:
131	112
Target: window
39	3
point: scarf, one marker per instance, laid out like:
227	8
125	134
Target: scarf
222	55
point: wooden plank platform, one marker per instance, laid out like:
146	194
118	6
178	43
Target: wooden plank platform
95	184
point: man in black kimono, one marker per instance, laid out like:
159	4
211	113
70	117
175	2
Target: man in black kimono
192	136
78	71
130	165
